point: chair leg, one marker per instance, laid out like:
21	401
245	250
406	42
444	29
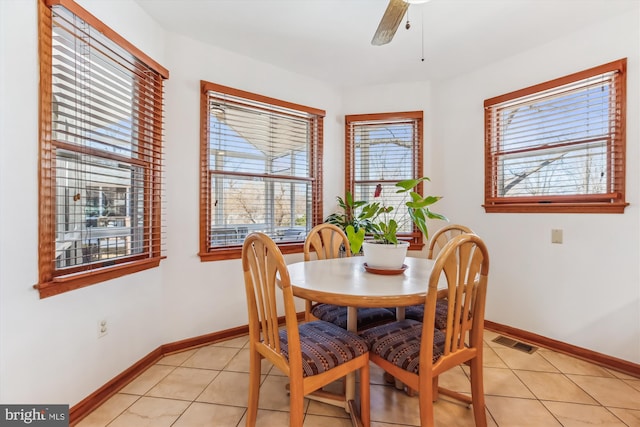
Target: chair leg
254	388
426	407
390	379
410	392
307	310
435	388
296	409
477	393
365	397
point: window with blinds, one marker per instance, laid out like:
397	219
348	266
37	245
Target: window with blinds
101	152
558	146
261	171
383	149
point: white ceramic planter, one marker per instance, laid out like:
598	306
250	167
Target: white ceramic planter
383	256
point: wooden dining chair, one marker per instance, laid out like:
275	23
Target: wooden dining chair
329	241
416	312
438	240
311	354
417	352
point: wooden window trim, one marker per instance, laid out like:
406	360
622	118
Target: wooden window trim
111	34
415	238
235	252
592	203
52	281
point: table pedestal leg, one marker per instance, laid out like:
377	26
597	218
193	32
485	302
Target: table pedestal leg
352	326
400	312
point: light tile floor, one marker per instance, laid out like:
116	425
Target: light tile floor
208	387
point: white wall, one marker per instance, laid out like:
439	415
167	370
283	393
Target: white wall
206	297
585	292
49	350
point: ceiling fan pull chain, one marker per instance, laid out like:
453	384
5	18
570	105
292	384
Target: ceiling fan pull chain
422	35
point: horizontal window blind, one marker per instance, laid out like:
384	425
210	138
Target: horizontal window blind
559	142
382	150
101	192
261	171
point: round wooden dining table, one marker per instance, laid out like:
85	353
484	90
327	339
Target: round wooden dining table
346	281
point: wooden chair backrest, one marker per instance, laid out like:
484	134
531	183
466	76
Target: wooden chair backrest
464	263
440	238
326	240
267	281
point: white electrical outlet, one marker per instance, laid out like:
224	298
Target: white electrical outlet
556	235
102	328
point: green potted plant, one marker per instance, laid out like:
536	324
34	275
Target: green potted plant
352	219
381	222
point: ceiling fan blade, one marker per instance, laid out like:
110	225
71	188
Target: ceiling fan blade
389	22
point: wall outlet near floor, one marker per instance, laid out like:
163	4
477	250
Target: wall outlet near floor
102	328
556	235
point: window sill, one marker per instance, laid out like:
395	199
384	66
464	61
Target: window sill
71	282
608	208
236	252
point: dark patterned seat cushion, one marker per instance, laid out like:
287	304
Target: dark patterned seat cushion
367	317
324	346
416	312
399	343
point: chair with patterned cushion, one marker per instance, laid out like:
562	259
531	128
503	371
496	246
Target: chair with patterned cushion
416	312
311	354
417	352
437	242
329	241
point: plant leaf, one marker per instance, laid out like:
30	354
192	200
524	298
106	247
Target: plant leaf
349	198
419	202
408	184
355	238
434	215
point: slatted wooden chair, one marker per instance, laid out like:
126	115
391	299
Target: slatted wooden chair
439	239
416	312
329	241
312	354
417	352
